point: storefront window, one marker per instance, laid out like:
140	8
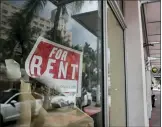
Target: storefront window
116	77
50	70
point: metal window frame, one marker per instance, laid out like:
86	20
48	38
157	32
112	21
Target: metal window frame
104	63
117	12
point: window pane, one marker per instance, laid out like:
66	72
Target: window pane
4	11
52	52
116	72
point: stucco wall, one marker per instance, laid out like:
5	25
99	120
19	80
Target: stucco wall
135	66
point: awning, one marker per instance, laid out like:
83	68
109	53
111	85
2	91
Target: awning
90	21
153	21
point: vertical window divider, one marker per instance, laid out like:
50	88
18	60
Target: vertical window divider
105	64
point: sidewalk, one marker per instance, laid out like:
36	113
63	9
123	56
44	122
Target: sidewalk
155	117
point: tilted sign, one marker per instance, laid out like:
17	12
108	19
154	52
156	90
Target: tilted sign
55	65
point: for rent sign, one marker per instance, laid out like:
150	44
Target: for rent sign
55	65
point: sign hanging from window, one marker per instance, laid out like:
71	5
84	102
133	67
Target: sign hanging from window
56	66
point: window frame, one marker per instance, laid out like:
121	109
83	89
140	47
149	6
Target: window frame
117	12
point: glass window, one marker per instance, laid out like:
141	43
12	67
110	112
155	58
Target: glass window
42	19
36	17
3	23
4	11
41	25
61	64
48	27
5	3
3	29
116	72
14	7
36	23
4	17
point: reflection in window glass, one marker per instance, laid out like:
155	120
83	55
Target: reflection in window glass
35	23
41	25
4	11
3	22
51	57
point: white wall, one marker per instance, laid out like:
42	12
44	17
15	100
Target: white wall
135	67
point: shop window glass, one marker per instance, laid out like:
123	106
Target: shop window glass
36	23
61	65
4	11
6	3
48	27
41	25
3	23
14	7
117	109
4	17
42	19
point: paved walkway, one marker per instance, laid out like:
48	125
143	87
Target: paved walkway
155	120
